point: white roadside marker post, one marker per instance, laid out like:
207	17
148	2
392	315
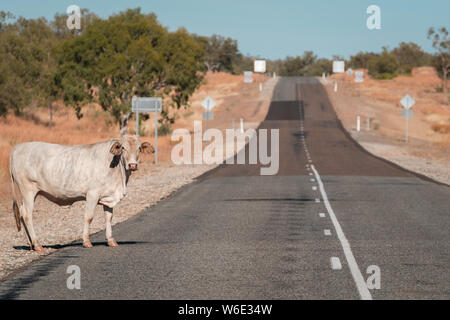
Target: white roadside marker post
358	123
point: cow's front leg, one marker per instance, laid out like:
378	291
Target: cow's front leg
108	220
91	203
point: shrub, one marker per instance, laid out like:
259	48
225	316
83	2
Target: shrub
385	66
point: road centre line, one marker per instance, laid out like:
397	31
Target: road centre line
351	261
335	263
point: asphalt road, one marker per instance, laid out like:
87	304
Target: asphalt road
234	234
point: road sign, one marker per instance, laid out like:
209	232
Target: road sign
259	66
408	113
147	104
208	103
248	76
338	66
359	76
407	102
208	115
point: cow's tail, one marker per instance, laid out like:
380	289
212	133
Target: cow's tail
16	197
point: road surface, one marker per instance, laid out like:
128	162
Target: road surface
309	232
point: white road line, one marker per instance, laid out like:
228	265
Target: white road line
322	215
327	232
312	180
354	269
336	263
314	188
317	200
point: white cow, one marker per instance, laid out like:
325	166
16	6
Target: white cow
97	173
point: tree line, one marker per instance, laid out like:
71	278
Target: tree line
111	60
108	61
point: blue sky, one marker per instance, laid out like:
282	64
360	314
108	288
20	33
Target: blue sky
276	28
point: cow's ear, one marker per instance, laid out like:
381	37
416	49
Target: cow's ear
147	148
116	148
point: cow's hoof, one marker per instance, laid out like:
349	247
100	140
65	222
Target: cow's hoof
87	244
112	243
38	248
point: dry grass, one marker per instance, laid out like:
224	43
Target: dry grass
431	112
441	128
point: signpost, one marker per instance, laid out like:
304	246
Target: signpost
208	115
146	104
259	66
407	102
359	76
338	66
248	77
208	104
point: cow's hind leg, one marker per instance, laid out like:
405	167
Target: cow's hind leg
91	203
27	219
108	219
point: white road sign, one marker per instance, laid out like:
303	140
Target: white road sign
408	113
146	104
359	76
208	115
248	76
259	66
208	103
407	102
338	66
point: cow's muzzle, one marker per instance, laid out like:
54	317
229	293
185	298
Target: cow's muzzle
132	166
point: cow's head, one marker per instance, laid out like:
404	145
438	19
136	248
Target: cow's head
129	149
